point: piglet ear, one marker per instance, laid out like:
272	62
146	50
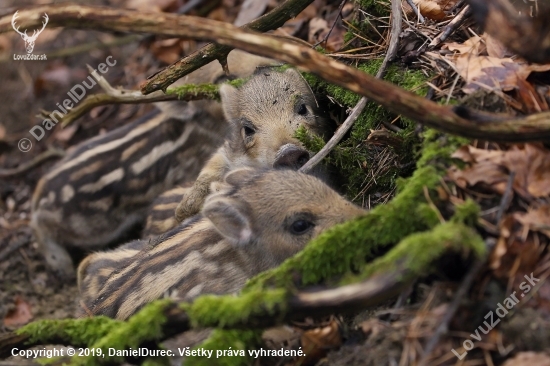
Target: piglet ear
230	218
230	102
239	176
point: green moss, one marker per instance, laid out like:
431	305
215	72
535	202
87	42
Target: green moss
78	332
418	252
234	340
230	310
375	7
210	91
144	326
310	141
348	246
354	158
237	82
207	90
467	212
439	147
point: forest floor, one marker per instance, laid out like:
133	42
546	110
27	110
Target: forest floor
453	72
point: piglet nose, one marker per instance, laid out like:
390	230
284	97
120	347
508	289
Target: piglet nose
291	157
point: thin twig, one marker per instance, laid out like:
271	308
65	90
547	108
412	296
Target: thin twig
338	16
37	160
356	111
454	305
416	11
506	198
451	27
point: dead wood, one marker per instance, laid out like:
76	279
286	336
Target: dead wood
124	96
345	299
456	120
525	35
459	121
101	18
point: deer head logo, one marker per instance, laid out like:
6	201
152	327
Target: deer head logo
29	40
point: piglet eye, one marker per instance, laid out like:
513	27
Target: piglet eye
248	131
300	227
302	110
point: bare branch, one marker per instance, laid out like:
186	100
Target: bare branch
456	120
126	96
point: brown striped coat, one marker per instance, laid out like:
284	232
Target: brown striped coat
255	221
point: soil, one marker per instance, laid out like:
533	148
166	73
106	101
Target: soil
27	88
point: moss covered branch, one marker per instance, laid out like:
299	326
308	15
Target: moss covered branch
192	92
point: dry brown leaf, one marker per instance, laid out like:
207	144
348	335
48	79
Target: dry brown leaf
317	342
495	258
528	359
536	219
530	101
167	50
517	252
472	46
20	315
434	9
318	31
488	72
530	162
318	28
250	10
494	47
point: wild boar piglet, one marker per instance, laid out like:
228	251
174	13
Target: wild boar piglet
255	220
264	115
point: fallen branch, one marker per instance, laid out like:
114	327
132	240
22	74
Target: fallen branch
451	27
318	303
525	35
125	96
456	120
381	279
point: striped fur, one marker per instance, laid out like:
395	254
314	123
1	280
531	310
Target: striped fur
101	191
160	217
248	226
